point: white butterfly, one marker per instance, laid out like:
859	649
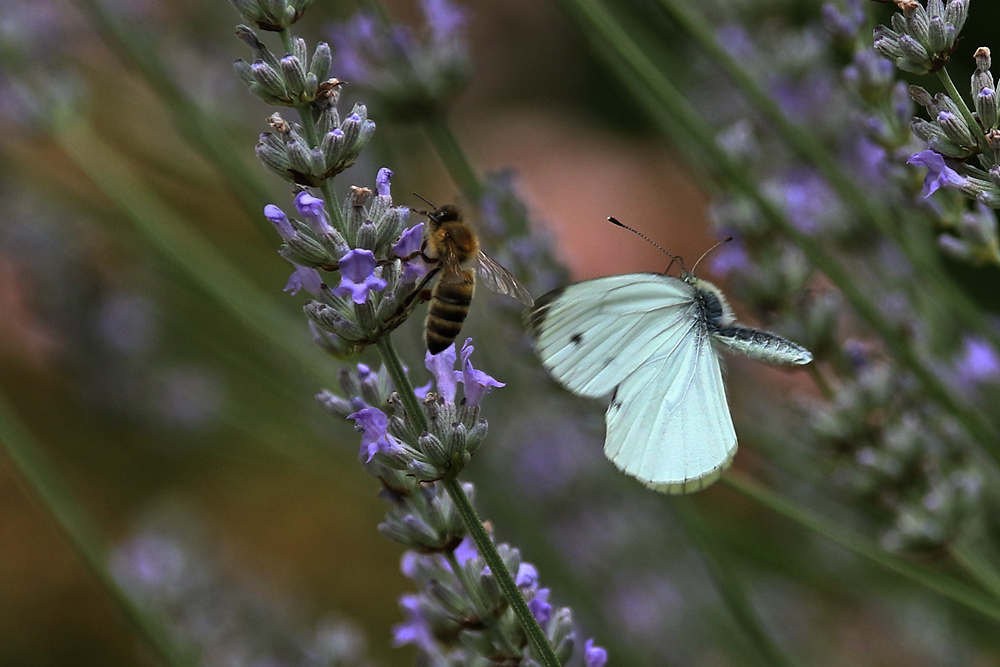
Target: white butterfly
651	340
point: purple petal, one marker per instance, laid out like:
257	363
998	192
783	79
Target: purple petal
593	655
382	181
304	276
977	362
527	576
410	241
313	210
476	383
357	275
442	367
373	424
540	608
939	174
280	221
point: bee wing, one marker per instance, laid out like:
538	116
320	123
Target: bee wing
501	281
451	268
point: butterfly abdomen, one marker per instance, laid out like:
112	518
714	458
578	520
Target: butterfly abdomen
447	311
762	345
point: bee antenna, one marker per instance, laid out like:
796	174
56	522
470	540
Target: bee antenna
426	201
705	254
673	258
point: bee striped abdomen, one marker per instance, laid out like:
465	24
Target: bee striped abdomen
447	311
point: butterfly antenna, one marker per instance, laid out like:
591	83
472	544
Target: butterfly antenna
705	254
673	258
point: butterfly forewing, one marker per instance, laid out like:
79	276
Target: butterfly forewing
669	424
593	334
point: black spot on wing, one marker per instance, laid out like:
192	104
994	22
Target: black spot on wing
534	317
576	338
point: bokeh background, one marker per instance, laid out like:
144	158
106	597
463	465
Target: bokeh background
196	444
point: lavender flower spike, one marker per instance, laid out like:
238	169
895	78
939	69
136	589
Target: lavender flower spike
373	423
939	174
442	367
476	383
357	275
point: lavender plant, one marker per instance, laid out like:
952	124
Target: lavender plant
470	609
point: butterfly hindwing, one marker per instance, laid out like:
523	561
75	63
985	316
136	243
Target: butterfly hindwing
669	424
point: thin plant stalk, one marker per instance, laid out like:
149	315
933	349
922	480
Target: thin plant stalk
43	481
942	584
726	583
205	134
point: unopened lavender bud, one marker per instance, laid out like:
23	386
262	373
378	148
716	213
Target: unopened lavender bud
987	108
492	596
244	71
308	249
937	35
456	605
435	451
457	440
925	130
387	307
921	96
319	66
560	634
366	236
980	228
915	58
294	73
337	405
981	79
299	155
333	145
944	103
917	21
955	14
956	129
995	174
475	437
329	319
421	471
260	51
270	81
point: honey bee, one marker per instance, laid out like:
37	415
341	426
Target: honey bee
453	246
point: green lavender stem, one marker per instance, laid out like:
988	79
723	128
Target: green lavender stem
733	596
441	136
394	366
79	529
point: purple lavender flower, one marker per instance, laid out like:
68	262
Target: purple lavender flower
445	18
415	630
540	608
476	383
313	210
408	249
442	367
939	174
410	242
306	277
593	655
357	271
280	221
382	182
373	423
978	362
527	576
